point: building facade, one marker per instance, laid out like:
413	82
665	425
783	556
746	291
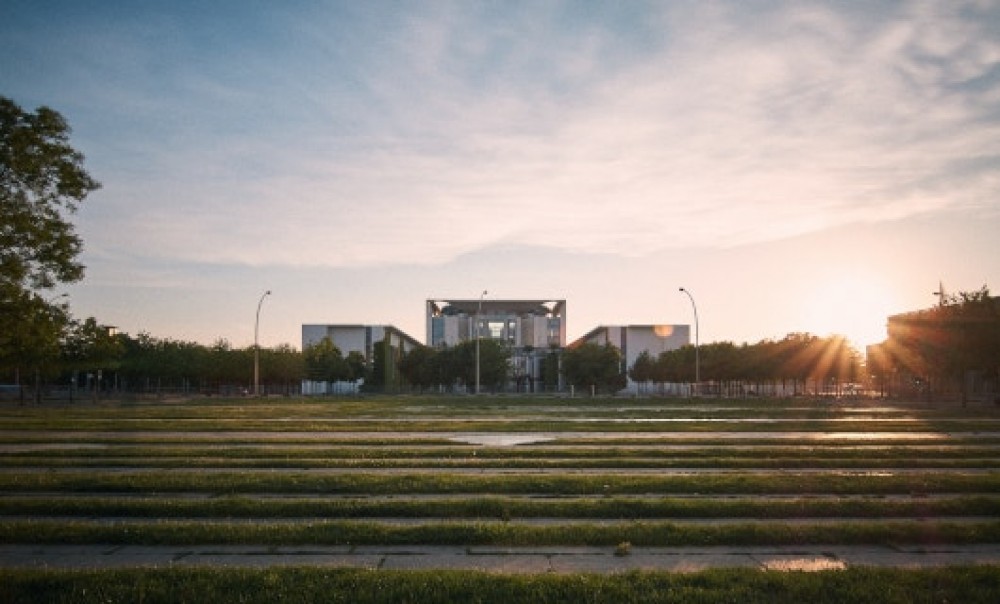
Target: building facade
532	329
518	323
357	338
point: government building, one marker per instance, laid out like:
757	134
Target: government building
533	330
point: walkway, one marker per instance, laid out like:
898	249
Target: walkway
552	559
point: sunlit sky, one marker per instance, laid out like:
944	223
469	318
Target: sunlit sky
797	166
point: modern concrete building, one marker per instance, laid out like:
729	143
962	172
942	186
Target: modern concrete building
357	338
519	323
633	340
532	329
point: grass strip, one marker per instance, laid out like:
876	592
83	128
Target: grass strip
639	533
292	482
474	461
398	450
515	424
503	508
353	440
967	584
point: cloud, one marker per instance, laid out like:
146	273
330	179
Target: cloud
415	138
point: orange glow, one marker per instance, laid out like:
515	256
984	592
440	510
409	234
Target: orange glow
854	306
663	331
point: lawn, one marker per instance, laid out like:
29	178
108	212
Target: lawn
407	471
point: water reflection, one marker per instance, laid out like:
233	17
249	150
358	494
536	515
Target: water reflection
521	438
813	564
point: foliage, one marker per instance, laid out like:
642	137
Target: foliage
593	365
325	363
426	367
30	329
967	584
942	344
383	366
89	345
798	357
42	180
149	364
550	370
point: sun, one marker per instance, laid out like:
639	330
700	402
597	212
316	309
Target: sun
855	307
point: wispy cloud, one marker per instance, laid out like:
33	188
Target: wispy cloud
357	137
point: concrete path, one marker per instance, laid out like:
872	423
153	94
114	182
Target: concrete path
552	559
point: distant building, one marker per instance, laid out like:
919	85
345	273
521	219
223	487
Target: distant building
532	329
633	340
519	323
357	338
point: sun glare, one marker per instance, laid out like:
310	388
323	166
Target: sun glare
854	307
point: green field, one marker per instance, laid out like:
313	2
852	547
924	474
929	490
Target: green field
500	471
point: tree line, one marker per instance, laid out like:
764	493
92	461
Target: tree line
950	350
800	363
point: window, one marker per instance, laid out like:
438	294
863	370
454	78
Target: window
496	329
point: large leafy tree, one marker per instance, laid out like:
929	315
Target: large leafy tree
42	182
325	363
593	365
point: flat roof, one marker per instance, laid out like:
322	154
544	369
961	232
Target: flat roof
543	307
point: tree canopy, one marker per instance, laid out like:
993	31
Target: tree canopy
798	358
426	367
593	365
42	179
42	182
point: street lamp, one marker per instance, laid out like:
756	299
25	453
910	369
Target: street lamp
478	330
697	370
256	347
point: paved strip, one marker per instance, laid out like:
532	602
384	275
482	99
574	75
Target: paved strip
722	521
493	438
549	559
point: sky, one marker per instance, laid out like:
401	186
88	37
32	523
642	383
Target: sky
796	166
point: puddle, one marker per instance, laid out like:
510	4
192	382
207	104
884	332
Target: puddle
804	564
28	448
500	439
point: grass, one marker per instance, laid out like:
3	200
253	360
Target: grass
198	472
639	533
491	414
782	463
492	424
480	506
969	585
609	482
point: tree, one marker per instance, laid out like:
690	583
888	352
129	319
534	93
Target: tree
946	346
642	370
325	363
418	366
90	346
594	365
494	363
42	181
357	364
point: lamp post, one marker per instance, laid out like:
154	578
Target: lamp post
479	311
697	370
256	347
